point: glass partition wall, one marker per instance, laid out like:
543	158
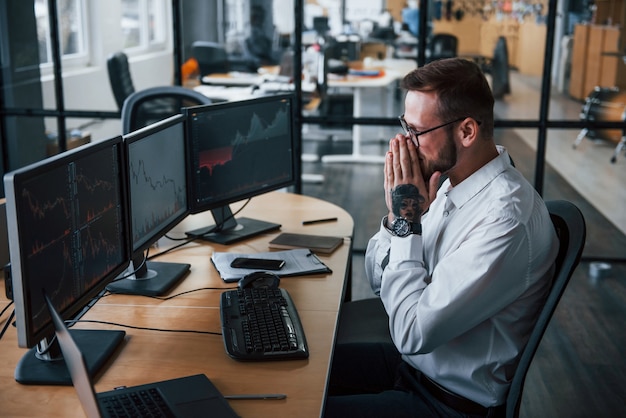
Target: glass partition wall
56	91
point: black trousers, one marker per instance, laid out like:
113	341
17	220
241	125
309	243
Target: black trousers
372	380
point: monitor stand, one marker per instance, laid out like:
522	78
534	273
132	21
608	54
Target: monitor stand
228	230
152	279
96	345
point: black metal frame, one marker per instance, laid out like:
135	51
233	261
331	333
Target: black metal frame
542	124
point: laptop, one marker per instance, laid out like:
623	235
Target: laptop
190	396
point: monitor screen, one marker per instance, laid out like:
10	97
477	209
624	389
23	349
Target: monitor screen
68	234
239	150
157	186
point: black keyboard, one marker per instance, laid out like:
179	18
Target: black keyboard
261	324
140	403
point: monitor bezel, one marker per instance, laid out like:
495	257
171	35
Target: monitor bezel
138	135
13	181
198	207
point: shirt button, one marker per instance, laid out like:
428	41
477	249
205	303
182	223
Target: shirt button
446	213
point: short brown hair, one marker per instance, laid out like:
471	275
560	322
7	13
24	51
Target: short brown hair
461	88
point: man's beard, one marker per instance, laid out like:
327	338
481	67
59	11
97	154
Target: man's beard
444	162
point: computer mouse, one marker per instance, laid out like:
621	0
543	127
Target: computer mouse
259	279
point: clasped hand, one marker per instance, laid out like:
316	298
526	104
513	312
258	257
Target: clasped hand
402	168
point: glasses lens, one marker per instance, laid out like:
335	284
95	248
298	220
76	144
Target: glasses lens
404	125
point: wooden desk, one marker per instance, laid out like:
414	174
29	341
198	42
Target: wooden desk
151	355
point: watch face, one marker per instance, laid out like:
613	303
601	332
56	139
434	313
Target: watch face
401	227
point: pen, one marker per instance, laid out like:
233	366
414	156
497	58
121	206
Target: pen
257	396
318	221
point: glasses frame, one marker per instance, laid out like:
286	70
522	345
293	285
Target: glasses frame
414	134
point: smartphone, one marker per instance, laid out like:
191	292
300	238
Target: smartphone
257	263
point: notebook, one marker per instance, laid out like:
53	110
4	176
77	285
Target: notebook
316	243
190	396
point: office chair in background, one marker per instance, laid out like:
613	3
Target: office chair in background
120	78
366	320
442	45
213	59
156	103
327	104
499	69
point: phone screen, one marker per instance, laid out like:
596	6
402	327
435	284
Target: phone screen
257	263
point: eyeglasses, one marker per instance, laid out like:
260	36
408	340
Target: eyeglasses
410	131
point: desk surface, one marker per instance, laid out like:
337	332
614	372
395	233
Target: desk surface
148	356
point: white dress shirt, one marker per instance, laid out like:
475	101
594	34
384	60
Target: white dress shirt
463	297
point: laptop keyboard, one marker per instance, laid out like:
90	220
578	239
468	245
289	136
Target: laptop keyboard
261	324
140	403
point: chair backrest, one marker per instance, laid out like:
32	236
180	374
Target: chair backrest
500	81
569	224
120	77
211	56
443	45
156	103
332	104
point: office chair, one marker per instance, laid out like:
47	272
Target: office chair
366	320
213	59
211	56
442	45
569	224
326	104
499	68
156	103
330	104
120	77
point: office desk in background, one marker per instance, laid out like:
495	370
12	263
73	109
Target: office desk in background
393	70
148	356
239	86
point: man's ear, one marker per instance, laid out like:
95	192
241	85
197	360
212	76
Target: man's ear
468	132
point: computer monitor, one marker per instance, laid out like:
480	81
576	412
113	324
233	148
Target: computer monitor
239	150
157	187
68	237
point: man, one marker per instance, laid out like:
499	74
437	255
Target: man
464	276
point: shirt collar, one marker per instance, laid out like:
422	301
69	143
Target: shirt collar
471	186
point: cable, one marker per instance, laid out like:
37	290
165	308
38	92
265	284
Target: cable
109	293
143	328
132	273
48	346
5	308
173	248
188	291
188	240
6	325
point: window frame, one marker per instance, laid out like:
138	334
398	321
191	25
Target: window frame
147	8
75	60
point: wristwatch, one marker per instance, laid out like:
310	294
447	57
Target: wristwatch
402	227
